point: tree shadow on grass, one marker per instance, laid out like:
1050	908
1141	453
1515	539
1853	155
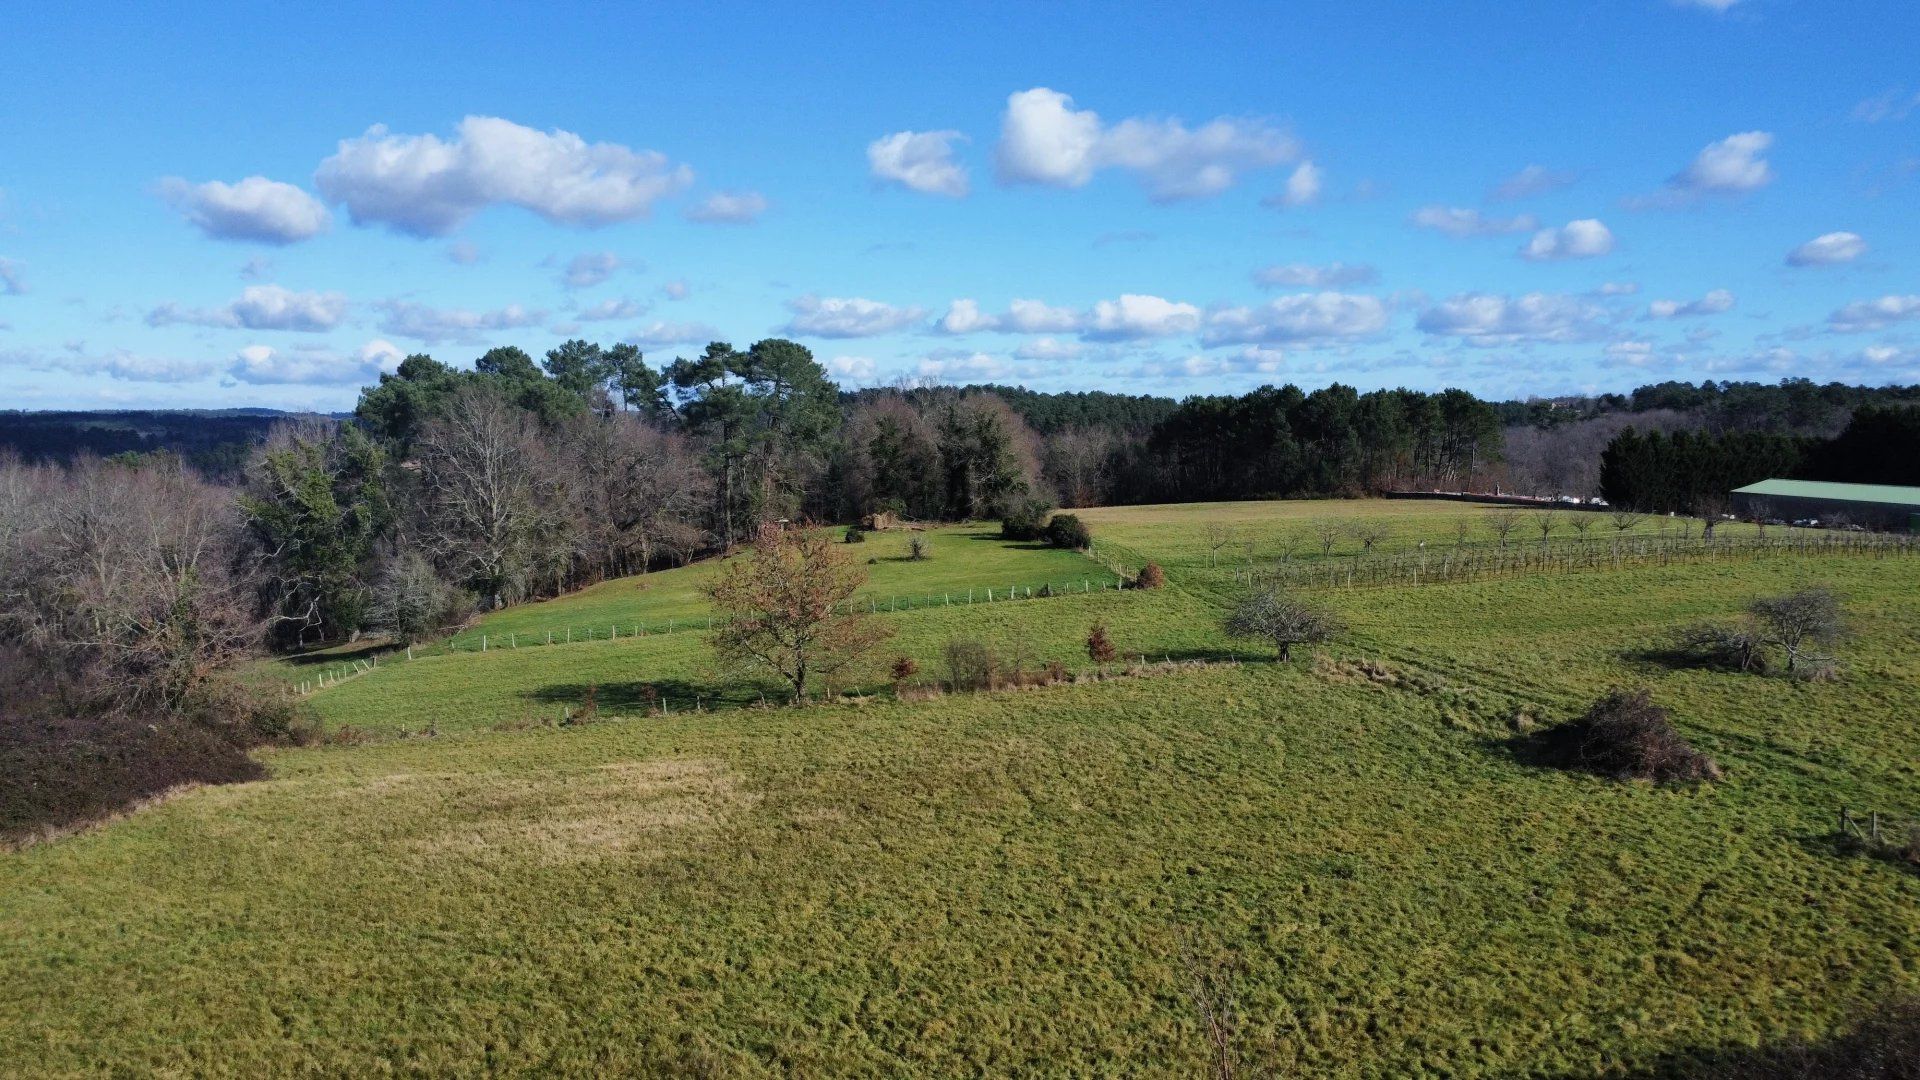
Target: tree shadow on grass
1883	1046
341	654
645	695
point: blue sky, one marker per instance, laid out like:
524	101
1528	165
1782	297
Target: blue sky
246	207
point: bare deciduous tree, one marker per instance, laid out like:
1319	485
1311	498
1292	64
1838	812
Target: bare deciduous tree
1801	622
1284	620
1546	522
1502	522
1624	520
477	468
1370	533
1327	534
1077	462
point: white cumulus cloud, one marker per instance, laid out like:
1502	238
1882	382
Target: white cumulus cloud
427	186
857	368
589	269
1530	181
1828	249
1135	316
1874	314
1303	187
1308	276
1462	221
263	364
256	208
262	307
920	161
1717	302
1493	319
1306	319
1045	140
1582	239
13	281
847	317
659	335
403	318
728	208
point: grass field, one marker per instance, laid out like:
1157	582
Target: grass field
960	559
1025	881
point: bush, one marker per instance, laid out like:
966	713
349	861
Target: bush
1100	648
1068	531
68	760
855	535
971	665
412	602
1151	577
1732	646
917	548
904	668
1023	519
1627	737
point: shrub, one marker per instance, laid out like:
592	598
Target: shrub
855	535
1100	648
1733	646
971	665
1626	736
917	548
1151	577
904	668
412	602
1069	532
1023	519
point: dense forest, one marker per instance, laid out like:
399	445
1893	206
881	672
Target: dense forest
1692	471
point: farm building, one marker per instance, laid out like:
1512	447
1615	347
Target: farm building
1874	506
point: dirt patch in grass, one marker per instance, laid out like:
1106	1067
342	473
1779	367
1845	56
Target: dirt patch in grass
629	809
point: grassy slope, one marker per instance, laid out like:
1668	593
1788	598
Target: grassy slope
961	558
1000	883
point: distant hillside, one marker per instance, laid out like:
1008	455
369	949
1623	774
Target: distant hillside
214	440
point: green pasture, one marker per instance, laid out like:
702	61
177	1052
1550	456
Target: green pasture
1027	882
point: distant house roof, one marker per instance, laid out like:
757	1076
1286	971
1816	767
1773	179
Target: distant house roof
1886	494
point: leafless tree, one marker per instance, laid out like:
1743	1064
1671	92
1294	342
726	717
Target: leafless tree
1370	533
133	577
1328	533
1802	622
1077	462
1624	520
1502	522
1219	535
1546	522
1581	521
477	466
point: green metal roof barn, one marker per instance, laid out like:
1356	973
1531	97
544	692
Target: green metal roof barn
1874	506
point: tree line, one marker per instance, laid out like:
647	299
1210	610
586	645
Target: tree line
1694	471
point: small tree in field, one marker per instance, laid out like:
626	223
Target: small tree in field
779	606
1283	620
1800	623
1327	534
1370	533
1624	520
1547	522
1502	522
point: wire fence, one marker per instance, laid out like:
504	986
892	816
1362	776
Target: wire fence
1521	558
627	630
